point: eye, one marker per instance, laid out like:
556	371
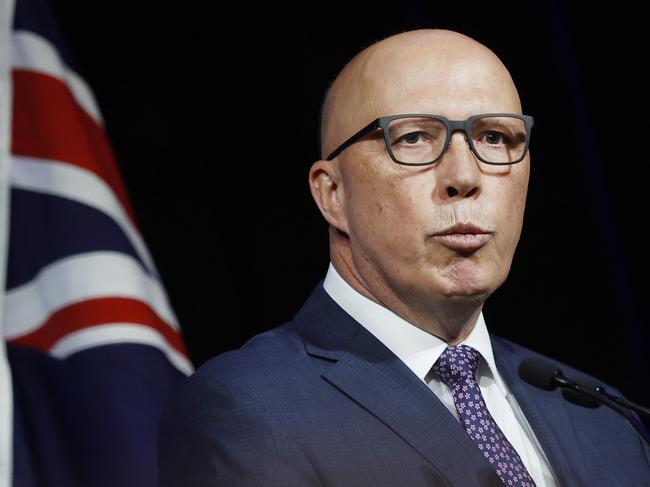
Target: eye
411	138
495	138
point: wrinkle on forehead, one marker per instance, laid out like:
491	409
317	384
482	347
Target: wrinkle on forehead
398	73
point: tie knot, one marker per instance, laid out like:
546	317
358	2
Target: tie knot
456	364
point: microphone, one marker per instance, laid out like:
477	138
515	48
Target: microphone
545	375
548	376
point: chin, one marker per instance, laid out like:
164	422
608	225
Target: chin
466	280
475	287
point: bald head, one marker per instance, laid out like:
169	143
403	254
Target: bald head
395	75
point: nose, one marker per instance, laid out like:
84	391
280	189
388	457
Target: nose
459	175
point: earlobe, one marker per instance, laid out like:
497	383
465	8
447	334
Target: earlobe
327	190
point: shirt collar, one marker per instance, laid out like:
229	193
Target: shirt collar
417	348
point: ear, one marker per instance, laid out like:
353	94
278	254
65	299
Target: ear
327	189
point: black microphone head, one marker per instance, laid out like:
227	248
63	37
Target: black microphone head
539	373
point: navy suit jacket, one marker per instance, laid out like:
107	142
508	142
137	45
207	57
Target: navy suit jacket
321	401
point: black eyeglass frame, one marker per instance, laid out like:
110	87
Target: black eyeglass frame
451	127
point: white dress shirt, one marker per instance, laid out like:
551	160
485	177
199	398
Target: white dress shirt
419	350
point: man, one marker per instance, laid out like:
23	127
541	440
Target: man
387	375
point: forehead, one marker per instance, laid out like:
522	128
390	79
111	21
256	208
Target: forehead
450	83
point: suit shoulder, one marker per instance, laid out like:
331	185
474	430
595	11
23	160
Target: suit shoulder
226	425
280	347
250	376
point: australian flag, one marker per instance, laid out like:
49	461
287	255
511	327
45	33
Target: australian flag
92	347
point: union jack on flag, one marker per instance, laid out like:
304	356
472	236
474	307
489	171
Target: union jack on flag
93	347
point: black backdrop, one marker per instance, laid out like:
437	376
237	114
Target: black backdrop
213	115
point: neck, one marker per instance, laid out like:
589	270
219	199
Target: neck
449	318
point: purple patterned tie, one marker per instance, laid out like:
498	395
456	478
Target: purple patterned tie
456	368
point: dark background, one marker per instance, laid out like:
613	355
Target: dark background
213	115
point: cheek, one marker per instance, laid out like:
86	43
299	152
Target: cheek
384	216
509	208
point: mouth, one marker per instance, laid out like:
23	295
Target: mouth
463	237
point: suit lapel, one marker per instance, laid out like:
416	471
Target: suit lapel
370	374
548	417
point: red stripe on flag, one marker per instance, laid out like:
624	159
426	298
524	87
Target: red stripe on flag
93	312
48	123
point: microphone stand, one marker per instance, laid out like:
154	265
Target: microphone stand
624	402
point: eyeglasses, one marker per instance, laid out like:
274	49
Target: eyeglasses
419	139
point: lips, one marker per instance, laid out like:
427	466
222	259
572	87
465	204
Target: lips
463	237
